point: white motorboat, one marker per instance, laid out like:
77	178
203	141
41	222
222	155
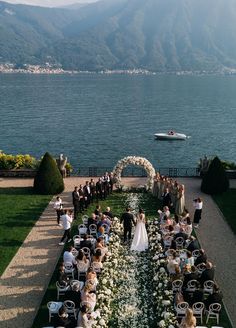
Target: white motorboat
171	135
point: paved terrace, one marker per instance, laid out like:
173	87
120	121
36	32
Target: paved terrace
25	280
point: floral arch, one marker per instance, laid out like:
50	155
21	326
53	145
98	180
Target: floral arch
134	160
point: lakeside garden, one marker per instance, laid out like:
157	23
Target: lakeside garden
140	292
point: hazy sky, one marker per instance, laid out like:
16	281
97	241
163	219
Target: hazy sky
49	3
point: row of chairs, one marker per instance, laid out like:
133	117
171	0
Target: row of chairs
192	285
199	310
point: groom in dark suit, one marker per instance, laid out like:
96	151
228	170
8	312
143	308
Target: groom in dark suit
127	218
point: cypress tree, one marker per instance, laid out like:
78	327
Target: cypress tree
48	180
215	181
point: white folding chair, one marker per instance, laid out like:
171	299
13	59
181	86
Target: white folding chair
167	241
86	251
177	285
201	267
198	310
77	239
70	308
69	269
213	312
196	253
208	287
93	230
61	290
53	308
192	285
85	219
82	229
181	308
179	242
73	282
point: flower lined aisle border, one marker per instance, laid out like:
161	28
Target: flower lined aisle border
134	289
134	160
163	297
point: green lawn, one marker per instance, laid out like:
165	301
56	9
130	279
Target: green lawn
227	204
19	210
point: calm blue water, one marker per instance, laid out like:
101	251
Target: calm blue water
96	119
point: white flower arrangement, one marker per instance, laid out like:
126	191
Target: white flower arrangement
133	289
134	160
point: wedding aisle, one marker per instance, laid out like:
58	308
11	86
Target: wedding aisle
133	287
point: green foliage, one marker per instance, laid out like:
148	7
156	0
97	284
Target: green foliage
215	180
10	162
48	180
228	165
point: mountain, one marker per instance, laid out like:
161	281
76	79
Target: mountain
158	35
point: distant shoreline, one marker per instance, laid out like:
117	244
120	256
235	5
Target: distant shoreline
39	70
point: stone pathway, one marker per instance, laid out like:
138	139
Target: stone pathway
25	280
218	240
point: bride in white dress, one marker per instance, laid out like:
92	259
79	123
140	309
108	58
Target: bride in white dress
140	240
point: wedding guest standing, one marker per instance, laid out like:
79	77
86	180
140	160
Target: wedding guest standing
197	203
66	223
180	200
166	199
75	201
92	189
87	194
58	207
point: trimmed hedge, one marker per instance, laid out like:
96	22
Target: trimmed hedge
48	180
215	181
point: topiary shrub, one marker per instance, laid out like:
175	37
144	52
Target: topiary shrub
48	180
215	180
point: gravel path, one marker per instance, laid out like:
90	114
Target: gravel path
218	240
25	280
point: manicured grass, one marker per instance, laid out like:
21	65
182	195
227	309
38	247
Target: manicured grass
227	204
19	210
117	203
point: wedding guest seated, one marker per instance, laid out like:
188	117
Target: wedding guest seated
97	258
164	213
208	273
104	220
173	244
62	319
182	234
88	295
108	213
202	258
188	228
84	318
62	277
189	260
82	262
100	244
91	277
177	275
193	245
173	262
74	295
189	321
97	210
192	274
86	242
215	297
92	219
68	257
176	224
197	296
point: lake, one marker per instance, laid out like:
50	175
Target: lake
97	119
